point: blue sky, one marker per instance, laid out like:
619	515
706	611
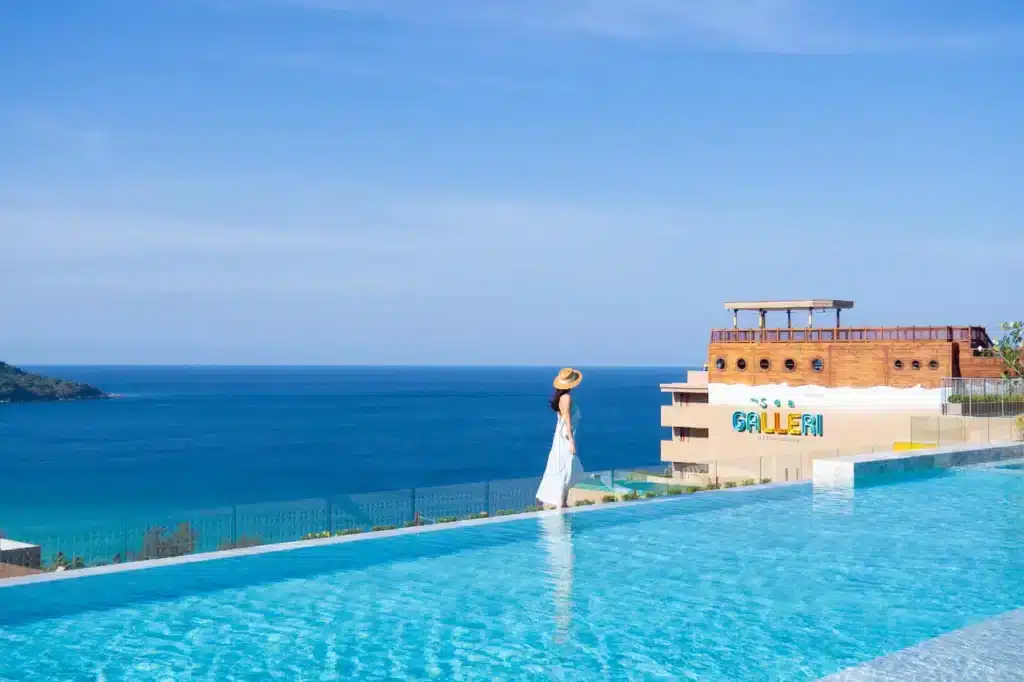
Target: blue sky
503	182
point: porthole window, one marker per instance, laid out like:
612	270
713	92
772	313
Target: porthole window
934	364
817	364
898	364
741	364
790	365
720	364
765	364
916	364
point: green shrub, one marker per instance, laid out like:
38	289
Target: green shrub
712	486
674	490
766	480
447	519
349	531
630	496
317	535
478	515
533	508
650	494
963	398
584	503
730	484
380	528
608	498
748	481
505	512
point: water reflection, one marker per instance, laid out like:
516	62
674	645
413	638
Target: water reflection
556	534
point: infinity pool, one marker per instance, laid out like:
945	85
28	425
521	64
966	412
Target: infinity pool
769	584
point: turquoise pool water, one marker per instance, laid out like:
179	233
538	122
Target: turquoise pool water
774	584
622	486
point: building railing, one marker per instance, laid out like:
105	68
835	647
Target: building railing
970	397
973	335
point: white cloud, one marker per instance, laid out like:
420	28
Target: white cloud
377	243
778	26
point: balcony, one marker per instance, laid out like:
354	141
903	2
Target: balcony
695	450
693	416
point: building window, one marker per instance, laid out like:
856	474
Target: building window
790	365
916	364
765	364
741	364
720	364
934	364
817	364
898	364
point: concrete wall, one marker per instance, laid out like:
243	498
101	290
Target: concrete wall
845	471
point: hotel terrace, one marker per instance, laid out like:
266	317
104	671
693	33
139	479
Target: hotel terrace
772	399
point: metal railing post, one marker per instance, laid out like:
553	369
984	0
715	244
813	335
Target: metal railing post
330	516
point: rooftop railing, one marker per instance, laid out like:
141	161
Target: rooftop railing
972	335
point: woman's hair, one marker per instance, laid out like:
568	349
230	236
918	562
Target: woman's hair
559	392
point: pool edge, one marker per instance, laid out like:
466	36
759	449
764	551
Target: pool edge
293	545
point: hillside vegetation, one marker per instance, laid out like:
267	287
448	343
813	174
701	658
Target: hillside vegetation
19	386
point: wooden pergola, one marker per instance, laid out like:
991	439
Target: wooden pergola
762	308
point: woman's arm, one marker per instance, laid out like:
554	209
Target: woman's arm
565	408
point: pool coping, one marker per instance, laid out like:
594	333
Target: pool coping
292	545
989	648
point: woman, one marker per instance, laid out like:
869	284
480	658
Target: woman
564	469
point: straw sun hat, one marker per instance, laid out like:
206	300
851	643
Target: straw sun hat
568	378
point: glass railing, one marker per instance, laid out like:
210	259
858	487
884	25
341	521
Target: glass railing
76	545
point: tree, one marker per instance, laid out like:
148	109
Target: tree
1009	349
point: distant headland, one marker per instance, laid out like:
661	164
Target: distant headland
19	386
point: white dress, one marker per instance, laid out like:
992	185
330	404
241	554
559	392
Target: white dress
564	469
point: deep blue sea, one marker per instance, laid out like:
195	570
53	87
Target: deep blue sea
182	438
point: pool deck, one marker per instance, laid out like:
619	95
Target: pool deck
989	651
